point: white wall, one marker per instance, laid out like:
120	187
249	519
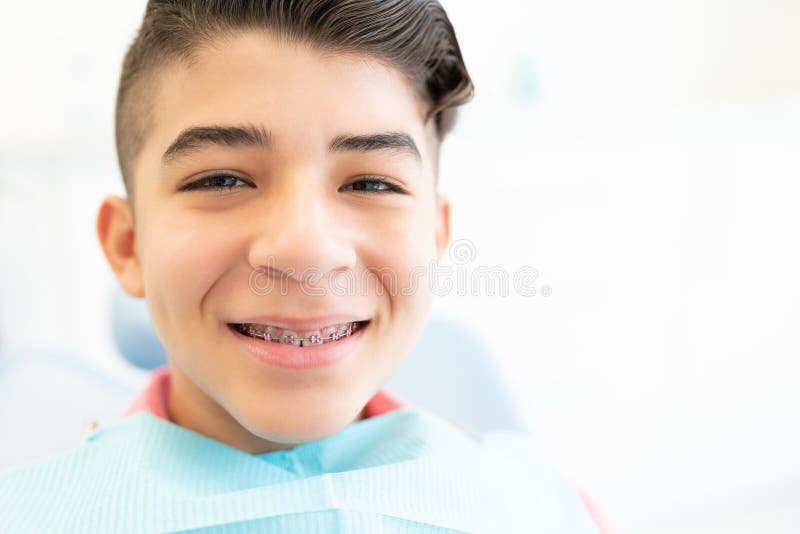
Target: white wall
641	155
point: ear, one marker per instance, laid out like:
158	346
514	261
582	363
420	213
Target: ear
442	224
117	235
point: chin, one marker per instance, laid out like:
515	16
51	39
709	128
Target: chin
296	426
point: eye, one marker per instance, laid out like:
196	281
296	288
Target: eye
374	184
215	183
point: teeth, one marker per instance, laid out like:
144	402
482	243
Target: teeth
312	338
305	339
270	334
331	332
290	337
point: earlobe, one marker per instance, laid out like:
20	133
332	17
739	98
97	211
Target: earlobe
117	236
442	225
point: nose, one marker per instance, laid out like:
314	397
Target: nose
297	236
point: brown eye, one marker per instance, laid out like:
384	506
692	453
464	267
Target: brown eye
218	182
373	185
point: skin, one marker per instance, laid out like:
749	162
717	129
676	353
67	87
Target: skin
191	254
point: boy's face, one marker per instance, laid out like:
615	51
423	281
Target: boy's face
301	142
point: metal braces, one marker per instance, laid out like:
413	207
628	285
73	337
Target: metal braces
314	339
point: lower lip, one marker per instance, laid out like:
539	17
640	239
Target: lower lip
291	357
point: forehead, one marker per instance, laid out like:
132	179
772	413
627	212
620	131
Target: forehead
303	95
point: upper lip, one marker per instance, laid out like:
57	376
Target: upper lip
303	323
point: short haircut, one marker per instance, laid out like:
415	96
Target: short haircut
413	36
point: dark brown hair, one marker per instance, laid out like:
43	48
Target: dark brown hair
414	36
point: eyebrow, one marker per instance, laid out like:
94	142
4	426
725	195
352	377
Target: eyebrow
397	141
197	137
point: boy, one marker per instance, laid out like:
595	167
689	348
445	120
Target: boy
279	158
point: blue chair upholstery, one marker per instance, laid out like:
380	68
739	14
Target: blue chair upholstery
133	332
48	400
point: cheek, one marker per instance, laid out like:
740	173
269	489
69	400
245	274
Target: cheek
401	252
184	254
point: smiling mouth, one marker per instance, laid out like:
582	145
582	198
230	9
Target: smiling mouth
274	334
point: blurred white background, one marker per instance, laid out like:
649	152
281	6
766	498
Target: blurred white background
641	155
